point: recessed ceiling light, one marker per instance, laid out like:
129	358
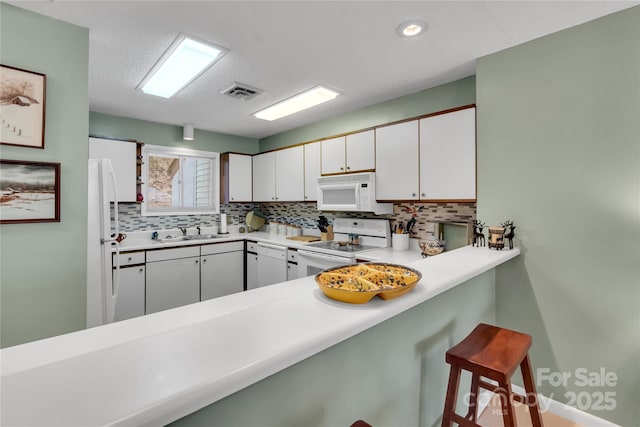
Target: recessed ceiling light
412	28
299	102
184	61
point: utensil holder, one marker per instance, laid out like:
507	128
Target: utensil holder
400	242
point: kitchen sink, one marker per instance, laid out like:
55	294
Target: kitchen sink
191	237
201	237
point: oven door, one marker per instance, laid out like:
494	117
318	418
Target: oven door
311	263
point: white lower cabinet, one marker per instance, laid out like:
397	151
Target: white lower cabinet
130	302
221	269
172	278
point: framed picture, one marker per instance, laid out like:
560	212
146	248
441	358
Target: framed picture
22	106
29	191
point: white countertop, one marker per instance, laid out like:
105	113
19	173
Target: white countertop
155	369
142	241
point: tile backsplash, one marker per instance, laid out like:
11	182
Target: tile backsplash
303	214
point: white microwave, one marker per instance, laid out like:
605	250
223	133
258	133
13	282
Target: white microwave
350	193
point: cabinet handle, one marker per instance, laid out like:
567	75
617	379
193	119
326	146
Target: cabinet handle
232	198
413	194
204	260
141	269
129	259
348	167
341	168
196	261
423	195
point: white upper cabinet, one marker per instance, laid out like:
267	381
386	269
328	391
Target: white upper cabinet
361	152
333	155
237	181
123	158
290	174
353	153
448	156
397	173
279	175
311	170
264	177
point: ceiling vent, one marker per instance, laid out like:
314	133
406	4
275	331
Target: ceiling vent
241	91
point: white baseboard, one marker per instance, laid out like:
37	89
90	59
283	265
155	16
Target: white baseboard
553	406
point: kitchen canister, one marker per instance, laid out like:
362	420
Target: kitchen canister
400	242
294	230
282	229
273	228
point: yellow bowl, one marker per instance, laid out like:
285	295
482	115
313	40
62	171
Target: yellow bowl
357	284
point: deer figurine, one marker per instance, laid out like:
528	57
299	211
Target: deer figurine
478	236
509	232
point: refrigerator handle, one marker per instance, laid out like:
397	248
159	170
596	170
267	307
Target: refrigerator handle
116	278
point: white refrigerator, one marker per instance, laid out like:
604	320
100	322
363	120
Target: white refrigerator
102	283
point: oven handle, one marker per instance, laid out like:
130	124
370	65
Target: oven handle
322	257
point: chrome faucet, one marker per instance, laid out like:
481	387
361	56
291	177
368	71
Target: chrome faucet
184	230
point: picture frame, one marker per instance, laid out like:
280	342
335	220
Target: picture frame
22	107
29	192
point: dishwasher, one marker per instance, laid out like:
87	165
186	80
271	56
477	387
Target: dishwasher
272	264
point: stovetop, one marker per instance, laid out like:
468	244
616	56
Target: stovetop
335	246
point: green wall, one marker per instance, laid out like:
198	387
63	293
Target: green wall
43	266
168	135
450	95
559	153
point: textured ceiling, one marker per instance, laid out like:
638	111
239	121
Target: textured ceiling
286	47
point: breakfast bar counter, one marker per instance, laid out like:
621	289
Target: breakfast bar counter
279	355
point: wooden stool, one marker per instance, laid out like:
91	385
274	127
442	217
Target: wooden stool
493	353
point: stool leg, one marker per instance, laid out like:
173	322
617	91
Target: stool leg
506	397
530	388
473	399
452	396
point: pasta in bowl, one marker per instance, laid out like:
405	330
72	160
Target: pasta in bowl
357	284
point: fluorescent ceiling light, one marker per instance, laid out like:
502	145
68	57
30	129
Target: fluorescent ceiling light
181	64
299	102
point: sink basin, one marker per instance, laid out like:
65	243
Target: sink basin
192	237
200	237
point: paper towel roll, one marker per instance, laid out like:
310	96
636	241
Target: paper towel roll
223	223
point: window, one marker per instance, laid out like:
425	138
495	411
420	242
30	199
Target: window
179	181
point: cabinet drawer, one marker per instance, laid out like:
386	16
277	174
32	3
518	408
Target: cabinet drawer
218	248
292	255
129	258
172	253
252	247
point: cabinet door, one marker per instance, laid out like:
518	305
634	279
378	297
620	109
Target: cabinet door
252	271
264	181
221	274
240	178
333	155
290	174
448	156
311	170
123	158
361	153
172	283
397	161
130	301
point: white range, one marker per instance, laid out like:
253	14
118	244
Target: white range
372	234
